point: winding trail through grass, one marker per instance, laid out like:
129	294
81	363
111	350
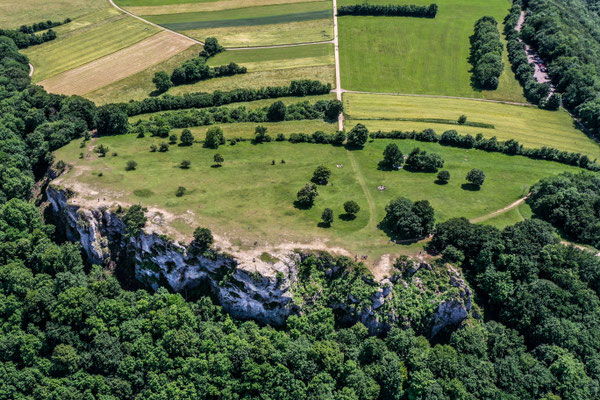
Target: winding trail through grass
500	211
361	180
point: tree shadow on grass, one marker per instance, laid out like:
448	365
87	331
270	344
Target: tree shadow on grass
382	166
302	206
347	217
470	187
155	93
441	183
323	225
216	166
394	237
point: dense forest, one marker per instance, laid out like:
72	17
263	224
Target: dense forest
72	331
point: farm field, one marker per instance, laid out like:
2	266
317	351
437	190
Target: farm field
255	26
112	68
72	51
261	195
419	55
14	13
160	7
266	67
529	125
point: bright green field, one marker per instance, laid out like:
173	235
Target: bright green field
529	125
249	199
419	55
60	55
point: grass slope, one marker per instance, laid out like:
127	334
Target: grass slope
529	125
248	199
60	55
419	55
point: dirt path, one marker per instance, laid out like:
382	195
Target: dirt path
30	70
439	97
500	211
363	185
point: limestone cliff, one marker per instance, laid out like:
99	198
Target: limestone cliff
263	291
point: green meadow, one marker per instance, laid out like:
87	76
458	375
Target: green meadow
419	55
248	198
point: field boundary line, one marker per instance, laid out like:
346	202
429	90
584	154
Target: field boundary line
500	211
514	103
152	23
274	46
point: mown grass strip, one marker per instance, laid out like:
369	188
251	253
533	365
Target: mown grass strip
433	121
270	20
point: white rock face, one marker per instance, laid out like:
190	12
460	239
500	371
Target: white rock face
245	291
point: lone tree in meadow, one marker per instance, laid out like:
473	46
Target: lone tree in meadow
218	159
214	137
180	191
462	119
211	47
475	177
203	239
352	208
306	195
260	134
321	175
277	111
327	217
186	138
357	137
162	81
443	177
131	165
102	150
392	156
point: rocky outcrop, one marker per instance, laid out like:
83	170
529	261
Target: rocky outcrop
263	291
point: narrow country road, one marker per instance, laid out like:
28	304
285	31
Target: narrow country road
338	80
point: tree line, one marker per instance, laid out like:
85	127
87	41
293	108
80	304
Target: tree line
297	88
571	53
25	36
486	54
511	146
535	92
389	10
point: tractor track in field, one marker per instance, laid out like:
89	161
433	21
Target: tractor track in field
365	189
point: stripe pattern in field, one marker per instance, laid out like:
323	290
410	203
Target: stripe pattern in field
118	65
204	6
268	20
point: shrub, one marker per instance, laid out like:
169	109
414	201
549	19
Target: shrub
203	239
153	148
214	137
420	160
185	164
475	177
186	138
134	220
462	119
306	195
357	137
102	150
173	139
351	207
443	177
327	217
260	134
280	137
180	191
218	159
163	147
131	165
321	175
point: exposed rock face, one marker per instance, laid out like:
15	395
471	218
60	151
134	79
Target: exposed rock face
258	290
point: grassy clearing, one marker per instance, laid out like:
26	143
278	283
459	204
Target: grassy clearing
265	35
14	13
529	125
61	55
278	68
248	199
510	217
419	55
118	65
204	6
